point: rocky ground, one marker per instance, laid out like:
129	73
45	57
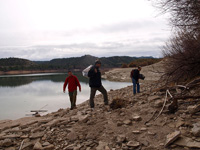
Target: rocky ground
135	126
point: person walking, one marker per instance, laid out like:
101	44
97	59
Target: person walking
72	82
95	83
135	75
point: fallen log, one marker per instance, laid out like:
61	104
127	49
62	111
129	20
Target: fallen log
39	110
185	97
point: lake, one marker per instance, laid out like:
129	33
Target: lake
21	93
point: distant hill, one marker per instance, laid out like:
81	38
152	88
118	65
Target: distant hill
7	64
86	60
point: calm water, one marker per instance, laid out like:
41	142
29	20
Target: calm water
21	93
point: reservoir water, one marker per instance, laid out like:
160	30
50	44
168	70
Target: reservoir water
21	93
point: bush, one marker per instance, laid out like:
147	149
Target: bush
124	66
183	49
183	57
144	62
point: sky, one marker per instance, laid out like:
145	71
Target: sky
47	29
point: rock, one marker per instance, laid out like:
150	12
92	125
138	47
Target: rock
152	98
151	133
7	142
127	122
37	146
69	147
172	137
143	129
137	118
101	146
11	136
72	136
158	103
179	123
37	135
193	109
133	144
107	148
84	119
44	121
49	147
187	142
136	132
119	123
25	125
196	129
46	144
121	139
10	148
27	145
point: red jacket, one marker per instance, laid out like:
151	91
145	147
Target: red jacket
72	82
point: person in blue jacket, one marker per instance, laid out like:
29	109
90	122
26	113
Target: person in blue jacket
135	75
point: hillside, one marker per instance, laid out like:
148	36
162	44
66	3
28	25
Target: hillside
10	64
86	60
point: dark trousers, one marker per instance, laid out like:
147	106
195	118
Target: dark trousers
93	92
134	86
72	97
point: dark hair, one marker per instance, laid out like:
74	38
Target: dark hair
139	67
69	71
97	62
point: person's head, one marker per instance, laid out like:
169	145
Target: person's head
98	63
69	72
139	68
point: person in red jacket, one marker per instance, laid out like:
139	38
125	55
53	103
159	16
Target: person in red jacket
72	82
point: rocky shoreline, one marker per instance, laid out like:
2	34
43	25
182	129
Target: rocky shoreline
134	126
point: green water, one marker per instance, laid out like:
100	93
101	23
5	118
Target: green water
21	93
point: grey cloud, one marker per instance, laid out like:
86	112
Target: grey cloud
127	26
47	52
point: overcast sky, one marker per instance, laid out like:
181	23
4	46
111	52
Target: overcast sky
46	29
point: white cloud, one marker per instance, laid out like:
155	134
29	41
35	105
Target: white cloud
46	29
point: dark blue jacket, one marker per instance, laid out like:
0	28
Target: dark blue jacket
135	74
94	78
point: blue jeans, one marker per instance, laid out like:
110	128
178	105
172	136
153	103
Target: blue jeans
134	86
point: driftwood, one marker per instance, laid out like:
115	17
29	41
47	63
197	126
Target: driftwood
163	106
151	117
185	97
21	145
37	111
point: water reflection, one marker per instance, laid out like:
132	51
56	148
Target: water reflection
19	80
20	94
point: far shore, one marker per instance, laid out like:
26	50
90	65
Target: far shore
17	72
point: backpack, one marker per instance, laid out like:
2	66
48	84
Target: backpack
86	70
132	72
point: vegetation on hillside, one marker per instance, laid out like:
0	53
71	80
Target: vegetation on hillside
141	62
9	64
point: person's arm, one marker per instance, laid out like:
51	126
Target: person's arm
65	84
138	75
78	83
92	72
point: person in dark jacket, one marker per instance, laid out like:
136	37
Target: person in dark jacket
72	82
135	74
95	84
